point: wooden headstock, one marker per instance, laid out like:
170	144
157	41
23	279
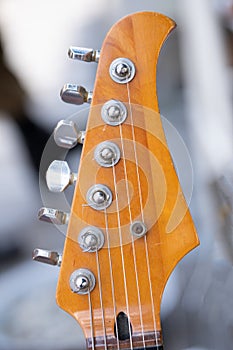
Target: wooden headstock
123	309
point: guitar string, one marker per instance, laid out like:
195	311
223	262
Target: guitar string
133	246
128	197
91	320
101	297
132	241
122	254
142	212
138	294
111	277
122	257
142	215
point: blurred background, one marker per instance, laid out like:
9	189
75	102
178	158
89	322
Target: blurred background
195	89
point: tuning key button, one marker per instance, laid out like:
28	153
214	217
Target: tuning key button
75	94
84	54
53	216
59	176
67	135
47	257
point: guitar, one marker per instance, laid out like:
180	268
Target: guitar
129	224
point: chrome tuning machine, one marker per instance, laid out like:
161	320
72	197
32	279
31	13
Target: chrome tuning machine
84	54
47	257
59	176
67	135
53	216
75	94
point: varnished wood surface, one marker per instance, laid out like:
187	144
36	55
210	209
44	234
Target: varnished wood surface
111	342
171	234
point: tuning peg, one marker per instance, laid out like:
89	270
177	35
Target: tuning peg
84	54
59	176
67	134
53	216
47	257
75	94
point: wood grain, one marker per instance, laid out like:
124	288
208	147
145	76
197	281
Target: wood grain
171	233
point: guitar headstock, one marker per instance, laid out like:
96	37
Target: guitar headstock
129	223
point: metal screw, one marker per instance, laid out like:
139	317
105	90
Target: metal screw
138	229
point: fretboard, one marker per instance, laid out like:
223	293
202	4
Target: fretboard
150	341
